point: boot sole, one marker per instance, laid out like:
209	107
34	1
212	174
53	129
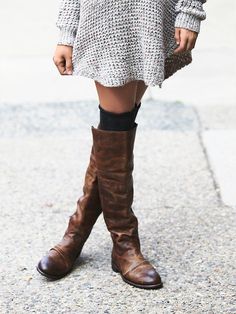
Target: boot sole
51	276
116	270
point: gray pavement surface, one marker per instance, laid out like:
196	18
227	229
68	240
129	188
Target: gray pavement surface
186	230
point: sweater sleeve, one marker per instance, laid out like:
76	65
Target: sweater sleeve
68	21
189	14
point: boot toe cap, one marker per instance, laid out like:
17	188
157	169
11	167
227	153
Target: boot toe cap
52	266
145	275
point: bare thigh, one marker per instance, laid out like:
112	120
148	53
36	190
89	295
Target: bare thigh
141	89
121	98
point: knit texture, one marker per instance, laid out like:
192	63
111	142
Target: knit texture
115	42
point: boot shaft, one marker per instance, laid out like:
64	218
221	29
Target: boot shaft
114	159
114	149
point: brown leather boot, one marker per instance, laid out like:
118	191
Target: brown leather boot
114	159
61	258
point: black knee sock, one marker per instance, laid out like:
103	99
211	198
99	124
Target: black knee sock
118	121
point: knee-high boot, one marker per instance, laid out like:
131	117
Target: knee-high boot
114	159
61	258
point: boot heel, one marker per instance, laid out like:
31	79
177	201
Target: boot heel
114	268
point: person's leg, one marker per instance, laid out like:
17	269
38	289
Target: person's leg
113	150
131	93
117	113
141	89
117	99
60	259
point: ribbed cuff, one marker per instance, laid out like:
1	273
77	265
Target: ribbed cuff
66	36
189	21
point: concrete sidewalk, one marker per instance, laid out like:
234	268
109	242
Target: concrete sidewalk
185	229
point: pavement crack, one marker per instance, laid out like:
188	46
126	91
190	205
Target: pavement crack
210	169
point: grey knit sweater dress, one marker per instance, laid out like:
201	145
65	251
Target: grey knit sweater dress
117	41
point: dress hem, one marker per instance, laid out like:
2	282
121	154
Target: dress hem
115	82
111	83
